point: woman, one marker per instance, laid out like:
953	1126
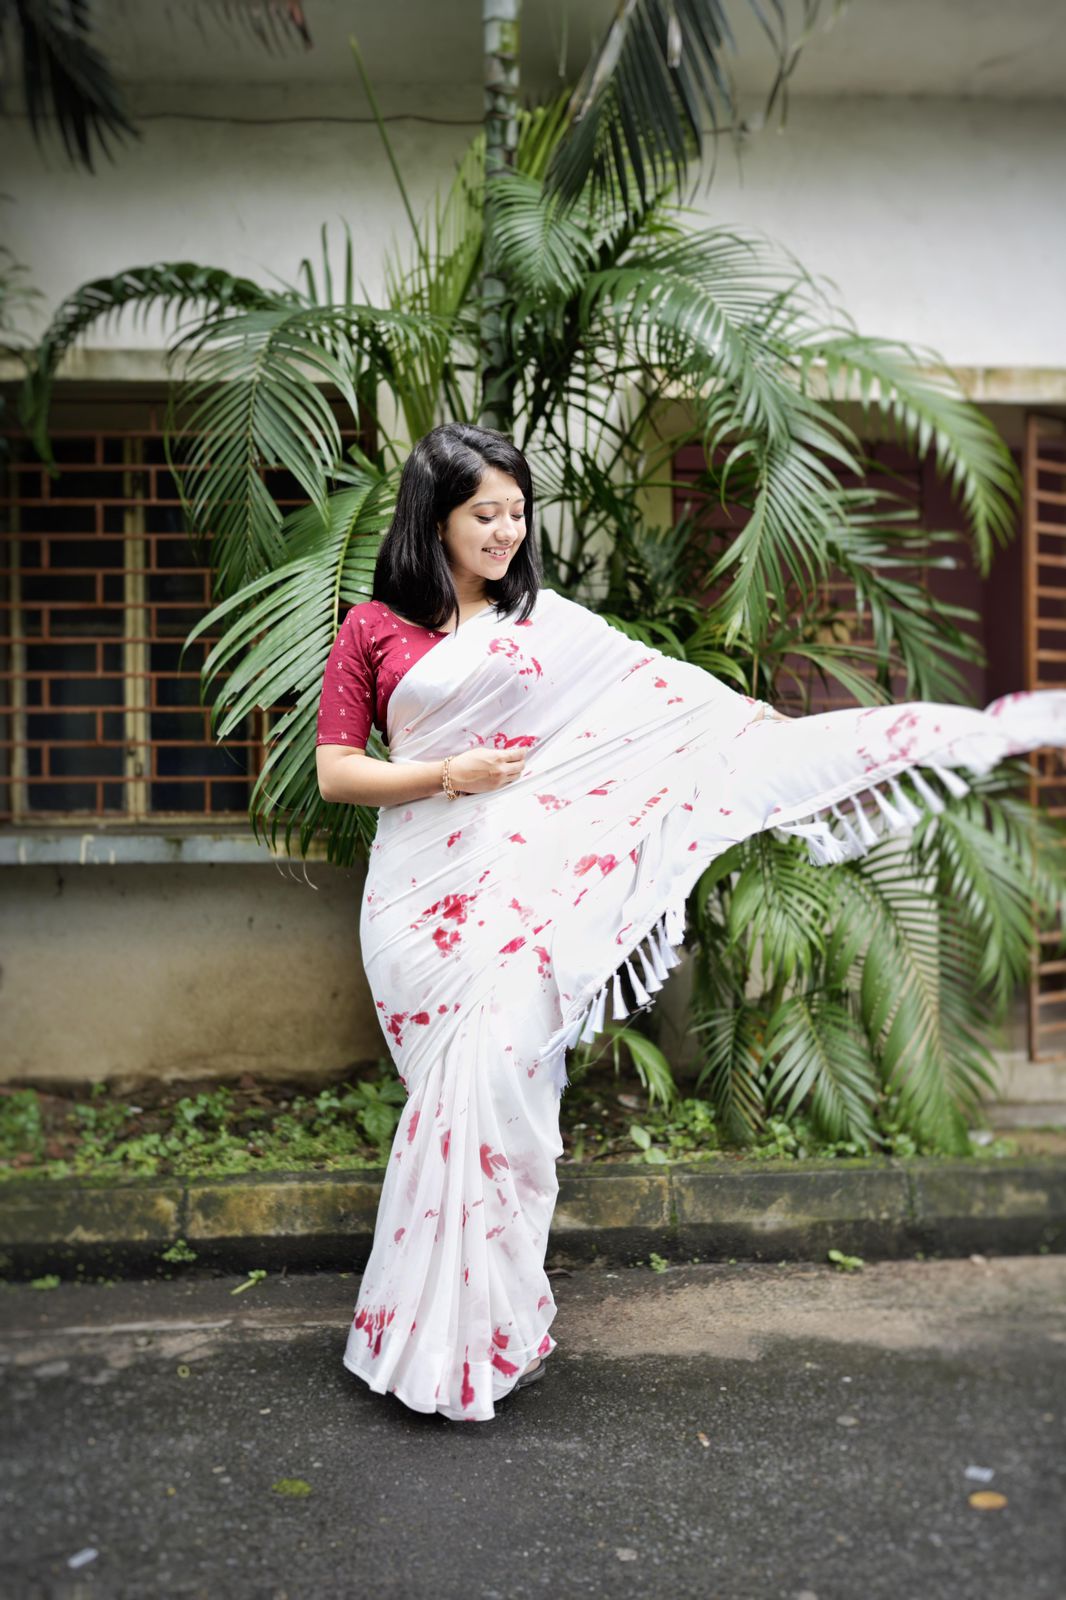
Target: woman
553	791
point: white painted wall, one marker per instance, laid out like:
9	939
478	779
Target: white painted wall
167	972
942	222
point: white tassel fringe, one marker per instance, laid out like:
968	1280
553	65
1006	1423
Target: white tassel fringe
831	837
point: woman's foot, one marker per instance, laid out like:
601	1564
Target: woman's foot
530	1374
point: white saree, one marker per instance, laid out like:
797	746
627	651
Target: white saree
496	927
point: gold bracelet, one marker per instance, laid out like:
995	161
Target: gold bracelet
446	782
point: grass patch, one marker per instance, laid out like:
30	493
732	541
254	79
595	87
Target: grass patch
194	1130
233	1128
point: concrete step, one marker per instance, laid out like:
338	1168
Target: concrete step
877	1208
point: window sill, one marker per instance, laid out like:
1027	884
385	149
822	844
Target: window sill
175	845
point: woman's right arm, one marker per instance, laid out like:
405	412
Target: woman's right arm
348	774
345	772
353	777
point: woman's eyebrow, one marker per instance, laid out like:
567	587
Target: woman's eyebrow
495	502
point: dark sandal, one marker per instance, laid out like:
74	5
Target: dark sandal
531	1377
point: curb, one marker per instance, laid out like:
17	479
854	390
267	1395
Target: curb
615	1215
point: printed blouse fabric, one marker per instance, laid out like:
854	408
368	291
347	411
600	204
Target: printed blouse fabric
372	651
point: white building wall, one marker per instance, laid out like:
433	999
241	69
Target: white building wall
942	222
175	972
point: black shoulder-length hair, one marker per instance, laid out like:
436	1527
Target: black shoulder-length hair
412	575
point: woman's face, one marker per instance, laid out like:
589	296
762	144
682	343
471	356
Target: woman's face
481	535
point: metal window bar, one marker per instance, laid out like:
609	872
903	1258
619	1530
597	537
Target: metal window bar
802	686
99	719
1044	568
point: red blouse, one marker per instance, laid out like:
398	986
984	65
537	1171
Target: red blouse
372	651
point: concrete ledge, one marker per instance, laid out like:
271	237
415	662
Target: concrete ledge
124	364
51	1227
794	1213
877	1210
618	1213
123	847
306	1217
987	1207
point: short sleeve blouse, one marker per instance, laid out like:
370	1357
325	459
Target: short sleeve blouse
372	651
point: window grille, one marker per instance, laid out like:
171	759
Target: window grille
801	687
1045	661
100	718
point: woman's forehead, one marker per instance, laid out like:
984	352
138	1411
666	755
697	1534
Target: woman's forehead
495	488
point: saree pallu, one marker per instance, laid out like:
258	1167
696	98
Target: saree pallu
495	929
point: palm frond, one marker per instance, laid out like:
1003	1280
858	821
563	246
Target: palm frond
171	287
547	251
17	296
886	555
821	1056
732	1045
277	632
713	306
66	76
541	128
834	663
913	986
998	865
252	397
636	116
439	282
797	502
780	905
929	413
649	1063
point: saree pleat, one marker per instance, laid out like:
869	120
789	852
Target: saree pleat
499	929
454	1300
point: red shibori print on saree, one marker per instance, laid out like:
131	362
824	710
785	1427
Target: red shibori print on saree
496	928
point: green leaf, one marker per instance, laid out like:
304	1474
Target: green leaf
821	1058
732	1043
169	288
636	118
912	389
276	634
781	903
651	1065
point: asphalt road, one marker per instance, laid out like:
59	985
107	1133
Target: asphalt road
744	1432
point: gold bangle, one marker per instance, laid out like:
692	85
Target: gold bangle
446	782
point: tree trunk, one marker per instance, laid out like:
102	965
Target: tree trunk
501	31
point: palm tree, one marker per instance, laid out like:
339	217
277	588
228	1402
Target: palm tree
17	296
65	76
562	283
